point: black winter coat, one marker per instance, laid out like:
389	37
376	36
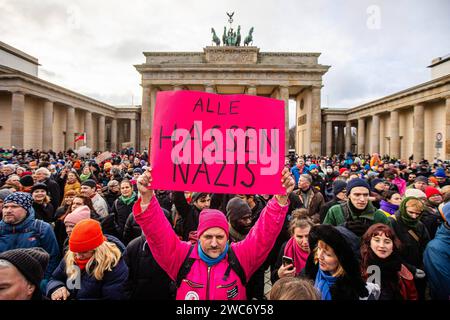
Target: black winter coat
43	211
412	250
121	212
188	212
146	279
54	192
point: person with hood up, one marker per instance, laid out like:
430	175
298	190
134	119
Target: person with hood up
414	238
334	268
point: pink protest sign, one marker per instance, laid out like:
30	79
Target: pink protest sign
217	143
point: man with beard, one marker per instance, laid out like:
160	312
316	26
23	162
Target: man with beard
239	217
307	197
317	180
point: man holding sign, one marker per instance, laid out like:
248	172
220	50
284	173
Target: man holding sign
214	269
213	143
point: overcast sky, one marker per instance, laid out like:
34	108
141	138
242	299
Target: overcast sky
374	47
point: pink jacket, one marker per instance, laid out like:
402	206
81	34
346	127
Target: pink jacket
203	282
401	185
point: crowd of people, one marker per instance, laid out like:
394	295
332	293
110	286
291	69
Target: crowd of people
349	227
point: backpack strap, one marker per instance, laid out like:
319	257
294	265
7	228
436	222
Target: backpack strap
185	267
236	266
38	229
233	263
346	211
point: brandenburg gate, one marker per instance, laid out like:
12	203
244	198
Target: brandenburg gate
235	69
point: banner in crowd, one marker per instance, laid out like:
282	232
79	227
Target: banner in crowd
217	143
103	156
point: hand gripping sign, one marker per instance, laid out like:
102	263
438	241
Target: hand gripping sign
217	143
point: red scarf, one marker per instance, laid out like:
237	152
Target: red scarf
299	256
81	263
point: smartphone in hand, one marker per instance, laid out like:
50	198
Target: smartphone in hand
287	261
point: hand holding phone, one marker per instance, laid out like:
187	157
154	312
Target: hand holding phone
288	261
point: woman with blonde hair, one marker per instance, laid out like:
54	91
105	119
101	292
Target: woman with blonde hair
43	209
333	267
93	265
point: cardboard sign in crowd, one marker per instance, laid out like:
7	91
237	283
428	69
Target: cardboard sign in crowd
217	143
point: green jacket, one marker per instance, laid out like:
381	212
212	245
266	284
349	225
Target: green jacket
335	215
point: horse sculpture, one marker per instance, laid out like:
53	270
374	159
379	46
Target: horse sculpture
215	38
249	38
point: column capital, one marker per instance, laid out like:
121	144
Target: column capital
177	87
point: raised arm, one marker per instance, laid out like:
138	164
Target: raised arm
254	249
168	251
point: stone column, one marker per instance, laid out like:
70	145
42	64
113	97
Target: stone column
114	135
17	119
419	124
101	133
348	136
251	90
341	139
147	110
329	138
375	134
284	95
70	127
209	88
133	132
88	129
47	126
395	135
316	122
447	127
177	87
361	136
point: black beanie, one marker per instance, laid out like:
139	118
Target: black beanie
26	181
39	186
31	262
338	186
375	181
90	183
236	209
357	182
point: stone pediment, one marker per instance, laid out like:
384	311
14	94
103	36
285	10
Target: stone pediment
231	55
